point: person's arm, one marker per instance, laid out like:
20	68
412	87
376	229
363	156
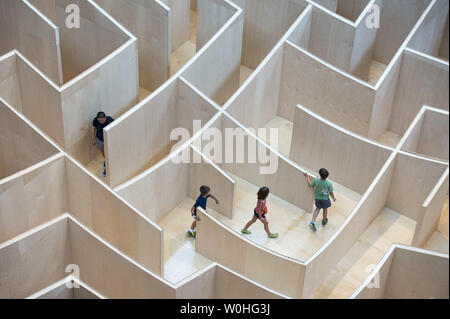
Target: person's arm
331	190
212	196
332	196
94	141
192	210
308	179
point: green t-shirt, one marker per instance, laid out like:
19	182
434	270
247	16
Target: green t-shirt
322	189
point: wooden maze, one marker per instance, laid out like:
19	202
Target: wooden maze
369	104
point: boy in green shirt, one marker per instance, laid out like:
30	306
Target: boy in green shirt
322	191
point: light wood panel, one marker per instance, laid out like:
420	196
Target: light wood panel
256	263
434	128
147	193
384	99
429	36
257	103
38	41
211	16
218	282
216	71
409	273
8	26
34	262
99	36
397	20
355	267
33	198
109	273
317	144
134	141
20	145
421	82
351	9
115	221
364	41
179	21
9	81
149	22
412	181
41	101
443	52
47	7
331	39
326	91
431	211
265	23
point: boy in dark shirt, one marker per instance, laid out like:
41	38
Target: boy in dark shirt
201	202
98	124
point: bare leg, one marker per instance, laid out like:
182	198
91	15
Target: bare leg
266	227
254	219
316	213
325	214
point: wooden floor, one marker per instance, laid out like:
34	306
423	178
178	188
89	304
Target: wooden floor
295	238
180	258
439	241
96	166
376	71
184	53
388	228
389	139
244	74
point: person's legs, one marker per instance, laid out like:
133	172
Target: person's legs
325	214
266	226
254	219
315	214
101	147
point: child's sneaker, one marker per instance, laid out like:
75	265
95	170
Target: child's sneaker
246	232
190	233
313	227
273	236
324	222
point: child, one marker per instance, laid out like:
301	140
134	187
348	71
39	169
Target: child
260	213
322	191
201	201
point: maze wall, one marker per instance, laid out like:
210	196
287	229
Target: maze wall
369	104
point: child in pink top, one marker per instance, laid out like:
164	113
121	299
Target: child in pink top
260	213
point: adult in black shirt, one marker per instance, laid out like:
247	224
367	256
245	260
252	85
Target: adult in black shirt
98	124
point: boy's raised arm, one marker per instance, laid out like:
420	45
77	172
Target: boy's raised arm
212	196
308	179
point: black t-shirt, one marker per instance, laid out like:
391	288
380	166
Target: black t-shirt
100	126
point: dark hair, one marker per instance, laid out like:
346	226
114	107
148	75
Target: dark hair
101	115
324	173
204	190
263	193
